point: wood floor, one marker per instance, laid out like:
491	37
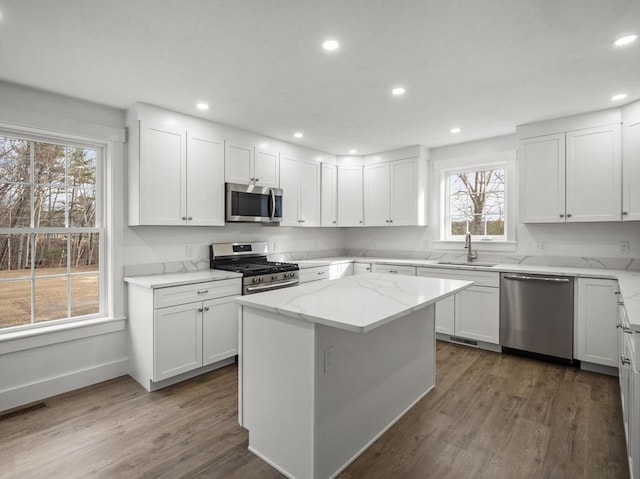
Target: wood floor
490	416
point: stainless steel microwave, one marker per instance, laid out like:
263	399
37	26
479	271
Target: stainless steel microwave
252	203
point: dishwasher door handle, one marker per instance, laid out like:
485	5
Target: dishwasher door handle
519	277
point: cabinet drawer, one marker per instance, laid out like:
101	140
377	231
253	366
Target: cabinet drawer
314	274
480	278
175	295
394	269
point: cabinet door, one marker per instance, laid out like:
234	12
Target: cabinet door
445	315
238	163
594	176
219	330
205	180
596	313
394	269
162	175
359	268
541	164
267	168
407	208
350	196
329	196
309	193
376	195
631	170
289	174
477	314
177	340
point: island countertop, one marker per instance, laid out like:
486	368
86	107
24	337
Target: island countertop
355	303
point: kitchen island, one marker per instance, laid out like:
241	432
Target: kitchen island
327	367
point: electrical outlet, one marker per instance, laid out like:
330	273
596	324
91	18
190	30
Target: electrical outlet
188	251
329	359
624	247
541	246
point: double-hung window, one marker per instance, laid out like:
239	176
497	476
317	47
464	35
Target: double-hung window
51	231
475	202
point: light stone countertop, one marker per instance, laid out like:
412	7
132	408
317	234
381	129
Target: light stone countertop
180	279
628	281
357	303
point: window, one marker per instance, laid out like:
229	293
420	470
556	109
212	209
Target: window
51	237
475	202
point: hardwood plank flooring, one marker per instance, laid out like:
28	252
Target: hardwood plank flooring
490	416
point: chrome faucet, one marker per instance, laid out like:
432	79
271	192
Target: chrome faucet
471	255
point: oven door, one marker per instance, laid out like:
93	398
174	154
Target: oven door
251	203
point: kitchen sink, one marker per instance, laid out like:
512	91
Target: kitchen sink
467	263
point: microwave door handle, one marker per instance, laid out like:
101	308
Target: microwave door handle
273	204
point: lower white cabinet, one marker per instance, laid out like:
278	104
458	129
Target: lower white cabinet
177	329
359	268
394	269
334	271
596	313
473	313
629	373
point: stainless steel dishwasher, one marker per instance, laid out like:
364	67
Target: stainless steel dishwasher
536	316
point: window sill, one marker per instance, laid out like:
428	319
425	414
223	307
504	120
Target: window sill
507	246
12	342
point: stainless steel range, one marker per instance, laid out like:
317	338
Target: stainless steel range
250	259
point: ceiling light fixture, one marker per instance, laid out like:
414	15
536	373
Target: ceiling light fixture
455	130
298	134
397	91
353	152
330	45
618	97
625	40
202	106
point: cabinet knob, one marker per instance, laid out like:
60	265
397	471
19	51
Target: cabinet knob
199	310
256	179
206	308
625	212
390	221
184	218
334	222
190	218
625	360
561	215
568	215
360	221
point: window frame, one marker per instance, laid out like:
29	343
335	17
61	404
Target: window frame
101	227
445	224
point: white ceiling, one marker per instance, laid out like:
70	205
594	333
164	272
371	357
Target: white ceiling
482	65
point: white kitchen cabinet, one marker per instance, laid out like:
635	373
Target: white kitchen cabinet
329	195
179	329
334	271
359	268
300	183
572	176
175	176
596	312
631	162
350	211
629	376
395	193
473	313
246	164
394	269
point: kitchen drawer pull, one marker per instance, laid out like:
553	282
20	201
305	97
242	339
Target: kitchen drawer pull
204	291
322	272
519	277
393	271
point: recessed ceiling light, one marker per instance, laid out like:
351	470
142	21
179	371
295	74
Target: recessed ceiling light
202	106
619	96
298	134
455	130
331	45
398	91
625	40
353	152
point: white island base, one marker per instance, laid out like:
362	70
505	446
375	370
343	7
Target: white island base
315	397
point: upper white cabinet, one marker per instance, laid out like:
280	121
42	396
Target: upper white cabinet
246	164
329	195
350	211
631	162
571	176
395	193
300	183
175	175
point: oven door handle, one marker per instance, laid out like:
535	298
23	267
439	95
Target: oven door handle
263	287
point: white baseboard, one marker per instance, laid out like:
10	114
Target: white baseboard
28	393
